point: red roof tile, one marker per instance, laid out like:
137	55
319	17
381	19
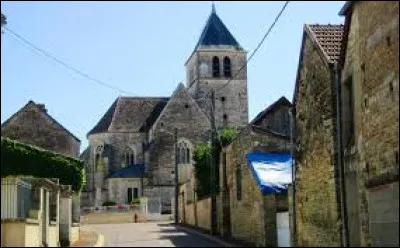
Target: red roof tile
329	38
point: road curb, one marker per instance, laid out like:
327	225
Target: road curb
207	236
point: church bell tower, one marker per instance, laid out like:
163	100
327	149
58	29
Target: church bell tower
215	61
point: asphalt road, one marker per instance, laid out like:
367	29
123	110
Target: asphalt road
151	234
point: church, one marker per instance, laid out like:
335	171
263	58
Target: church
131	150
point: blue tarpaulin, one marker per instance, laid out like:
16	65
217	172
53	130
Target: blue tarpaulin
272	171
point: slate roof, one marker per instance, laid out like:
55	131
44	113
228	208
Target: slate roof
329	38
130	114
133	171
216	33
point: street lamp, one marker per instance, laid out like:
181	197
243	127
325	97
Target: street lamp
175	134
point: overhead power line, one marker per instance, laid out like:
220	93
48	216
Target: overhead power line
245	64
100	82
258	46
59	61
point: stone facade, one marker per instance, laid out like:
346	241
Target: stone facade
370	108
231	101
316	157
143	128
33	125
252	217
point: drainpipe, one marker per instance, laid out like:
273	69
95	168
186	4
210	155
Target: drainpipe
343	202
292	127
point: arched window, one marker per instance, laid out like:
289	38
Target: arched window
187	156
227	67
98	157
184	154
215	67
129	157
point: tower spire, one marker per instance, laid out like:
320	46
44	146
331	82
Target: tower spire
213	7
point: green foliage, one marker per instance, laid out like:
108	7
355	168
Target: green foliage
202	169
19	159
109	203
135	201
3	19
202	156
227	135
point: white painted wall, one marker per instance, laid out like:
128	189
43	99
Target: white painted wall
282	224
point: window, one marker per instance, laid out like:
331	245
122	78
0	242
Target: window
132	194
215	67
227	67
222	99
98	157
184	153
225	116
187	156
129	157
238	183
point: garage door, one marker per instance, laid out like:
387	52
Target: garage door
384	215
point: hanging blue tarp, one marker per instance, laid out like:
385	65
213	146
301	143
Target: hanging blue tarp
272	171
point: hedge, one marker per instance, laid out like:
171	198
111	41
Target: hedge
19	159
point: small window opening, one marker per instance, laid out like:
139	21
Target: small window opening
388	41
391	86
223	99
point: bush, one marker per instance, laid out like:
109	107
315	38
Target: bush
135	201
19	159
202	156
109	203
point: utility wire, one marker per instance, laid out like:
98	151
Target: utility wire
258	46
59	61
245	64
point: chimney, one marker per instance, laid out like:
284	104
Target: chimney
42	107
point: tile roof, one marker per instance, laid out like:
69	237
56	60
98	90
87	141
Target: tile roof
129	114
329	37
42	109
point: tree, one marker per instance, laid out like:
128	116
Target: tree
202	156
3	19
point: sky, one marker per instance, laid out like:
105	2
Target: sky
140	47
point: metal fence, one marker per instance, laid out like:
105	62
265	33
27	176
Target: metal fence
16	198
119	208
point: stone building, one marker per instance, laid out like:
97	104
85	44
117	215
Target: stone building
317	199
247	212
33	125
139	131
370	121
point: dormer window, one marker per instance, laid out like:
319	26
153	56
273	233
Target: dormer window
215	67
227	67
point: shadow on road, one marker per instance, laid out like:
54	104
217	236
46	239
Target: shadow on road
181	238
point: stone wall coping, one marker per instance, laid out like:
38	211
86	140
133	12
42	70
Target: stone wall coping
20	220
